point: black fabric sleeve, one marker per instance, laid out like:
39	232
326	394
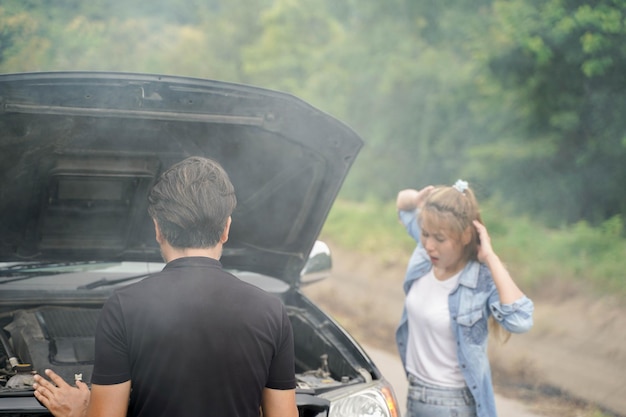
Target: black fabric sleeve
111	353
282	369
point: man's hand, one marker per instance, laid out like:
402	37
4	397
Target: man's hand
62	399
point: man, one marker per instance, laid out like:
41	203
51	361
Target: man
191	340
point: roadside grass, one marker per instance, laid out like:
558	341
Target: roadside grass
565	259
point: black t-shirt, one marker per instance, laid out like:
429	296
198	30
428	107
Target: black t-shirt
194	340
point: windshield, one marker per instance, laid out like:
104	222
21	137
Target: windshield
65	276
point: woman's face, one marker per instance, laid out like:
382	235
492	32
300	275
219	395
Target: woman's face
445	249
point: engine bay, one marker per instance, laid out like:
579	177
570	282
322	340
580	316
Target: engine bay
62	339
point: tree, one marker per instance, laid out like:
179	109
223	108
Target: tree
18	30
565	60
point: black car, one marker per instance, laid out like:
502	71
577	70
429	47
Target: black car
79	152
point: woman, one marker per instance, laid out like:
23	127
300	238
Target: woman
454	284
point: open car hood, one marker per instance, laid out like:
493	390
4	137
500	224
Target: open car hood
79	152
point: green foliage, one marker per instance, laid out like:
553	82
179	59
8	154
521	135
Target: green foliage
523	98
295	40
369	227
16	31
534	254
175	37
566	60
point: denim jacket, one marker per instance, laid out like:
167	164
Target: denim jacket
471	303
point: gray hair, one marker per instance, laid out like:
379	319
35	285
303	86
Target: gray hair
191	203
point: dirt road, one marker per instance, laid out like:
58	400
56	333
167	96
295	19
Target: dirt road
572	363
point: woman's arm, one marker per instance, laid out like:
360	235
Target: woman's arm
510	307
508	290
411	199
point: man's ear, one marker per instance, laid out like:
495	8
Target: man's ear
224	237
157	232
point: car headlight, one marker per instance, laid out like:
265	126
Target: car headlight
377	400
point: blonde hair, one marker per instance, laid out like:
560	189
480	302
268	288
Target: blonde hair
454	211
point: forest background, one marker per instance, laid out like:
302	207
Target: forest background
525	99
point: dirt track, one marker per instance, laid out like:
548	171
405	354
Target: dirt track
572	363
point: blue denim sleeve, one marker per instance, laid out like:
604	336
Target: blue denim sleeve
516	317
409	220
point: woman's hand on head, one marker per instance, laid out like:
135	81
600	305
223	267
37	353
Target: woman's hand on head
485	250
422	195
509	292
411	199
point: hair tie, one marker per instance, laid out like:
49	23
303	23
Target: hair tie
460	186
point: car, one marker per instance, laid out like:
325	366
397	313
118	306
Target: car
79	152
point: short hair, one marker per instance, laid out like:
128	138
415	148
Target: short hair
454	211
191	202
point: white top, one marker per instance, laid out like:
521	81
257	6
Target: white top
432	351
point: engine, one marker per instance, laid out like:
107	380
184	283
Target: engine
58	338
62	339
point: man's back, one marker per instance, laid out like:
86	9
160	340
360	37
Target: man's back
194	340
